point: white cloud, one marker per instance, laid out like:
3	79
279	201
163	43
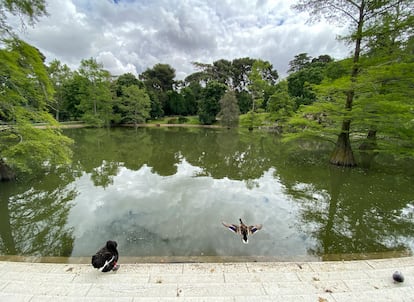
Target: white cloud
112	63
131	36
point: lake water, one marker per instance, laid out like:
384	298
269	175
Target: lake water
164	192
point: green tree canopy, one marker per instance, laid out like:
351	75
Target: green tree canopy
229	110
364	18
158	80
209	106
303	75
135	104
96	103
60	75
25	94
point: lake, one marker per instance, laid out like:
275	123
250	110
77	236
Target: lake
164	192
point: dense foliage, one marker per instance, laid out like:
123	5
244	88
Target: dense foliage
26	96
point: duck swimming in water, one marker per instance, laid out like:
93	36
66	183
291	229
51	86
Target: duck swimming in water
243	230
106	258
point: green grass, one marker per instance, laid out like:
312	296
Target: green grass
192	120
260	119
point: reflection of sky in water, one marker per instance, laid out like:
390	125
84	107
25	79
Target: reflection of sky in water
180	215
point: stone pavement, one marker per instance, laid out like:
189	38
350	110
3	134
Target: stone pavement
364	280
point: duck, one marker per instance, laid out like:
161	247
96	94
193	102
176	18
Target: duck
243	230
106	258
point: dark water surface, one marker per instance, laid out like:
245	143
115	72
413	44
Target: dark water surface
164	192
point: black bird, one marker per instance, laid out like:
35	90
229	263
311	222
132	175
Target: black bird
243	230
398	277
106	258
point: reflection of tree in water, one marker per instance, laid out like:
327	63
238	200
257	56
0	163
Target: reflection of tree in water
347	211
226	153
103	175
33	221
219	153
101	152
350	212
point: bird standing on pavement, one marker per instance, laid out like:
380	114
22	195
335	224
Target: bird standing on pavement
106	258
398	277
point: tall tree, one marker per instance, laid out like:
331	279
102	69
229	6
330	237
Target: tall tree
191	94
175	104
158	80
229	110
300	61
261	77
60	75
280	104
360	15
300	81
126	79
209	106
135	104
241	70
97	103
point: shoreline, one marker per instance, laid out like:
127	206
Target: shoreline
216	259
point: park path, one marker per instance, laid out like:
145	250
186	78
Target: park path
336	281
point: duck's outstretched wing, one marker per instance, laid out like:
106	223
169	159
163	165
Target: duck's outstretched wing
232	227
254	228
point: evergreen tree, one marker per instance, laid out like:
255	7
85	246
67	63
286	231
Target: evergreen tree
135	105
229	110
209	106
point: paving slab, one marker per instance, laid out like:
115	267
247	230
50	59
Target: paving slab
328	281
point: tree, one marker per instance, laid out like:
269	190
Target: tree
60	75
300	61
301	80
241	70
361	16
158	80
135	104
97	101
229	110
280	104
126	79
208	106
25	94
244	100
175	104
31	9
261	77
191	94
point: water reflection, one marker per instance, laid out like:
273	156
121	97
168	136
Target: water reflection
33	218
350	215
180	215
164	192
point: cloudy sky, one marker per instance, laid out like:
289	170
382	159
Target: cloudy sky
133	35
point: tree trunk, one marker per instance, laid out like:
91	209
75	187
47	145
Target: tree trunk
342	154
367	149
6	173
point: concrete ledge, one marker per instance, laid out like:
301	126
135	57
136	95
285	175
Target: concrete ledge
364	280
